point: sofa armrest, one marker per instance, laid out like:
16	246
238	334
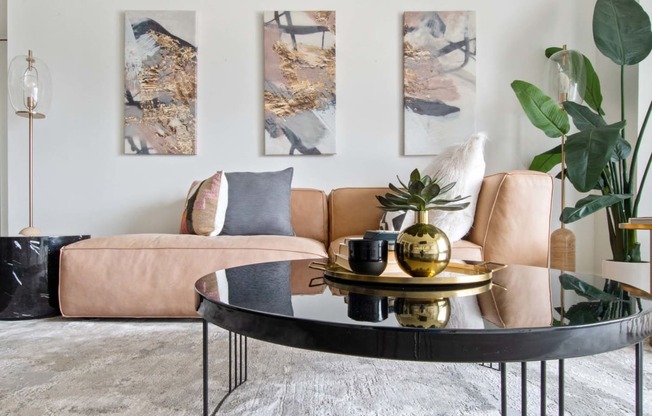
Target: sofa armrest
512	218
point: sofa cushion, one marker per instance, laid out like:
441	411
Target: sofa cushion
205	208
259	203
153	275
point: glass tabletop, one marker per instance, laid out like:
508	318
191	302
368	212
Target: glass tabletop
517	297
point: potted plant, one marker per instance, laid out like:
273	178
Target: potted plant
598	158
422	250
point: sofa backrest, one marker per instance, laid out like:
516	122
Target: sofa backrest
511	223
512	218
309	214
353	211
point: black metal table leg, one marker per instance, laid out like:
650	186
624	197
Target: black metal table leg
561	387
503	389
524	388
543	388
205	364
238	363
639	379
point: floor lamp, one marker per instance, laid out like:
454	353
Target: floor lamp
30	92
566	81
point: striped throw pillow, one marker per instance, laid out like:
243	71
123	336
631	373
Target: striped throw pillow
205	208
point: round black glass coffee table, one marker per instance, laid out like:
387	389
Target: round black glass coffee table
523	314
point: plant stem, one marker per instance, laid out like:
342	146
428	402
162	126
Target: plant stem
632	168
622	96
640	188
612	234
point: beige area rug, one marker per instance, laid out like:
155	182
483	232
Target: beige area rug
151	367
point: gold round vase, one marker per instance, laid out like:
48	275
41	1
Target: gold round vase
422	250
422	313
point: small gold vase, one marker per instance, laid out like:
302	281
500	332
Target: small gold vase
422	313
422	250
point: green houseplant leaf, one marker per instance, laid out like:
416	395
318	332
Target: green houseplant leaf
570	282
588	205
622	150
598	158
588	152
420	194
542	111
583	117
583	313
621	31
593	93
545	161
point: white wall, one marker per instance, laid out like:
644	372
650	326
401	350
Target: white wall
84	184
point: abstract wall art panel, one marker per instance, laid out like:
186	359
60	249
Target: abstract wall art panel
299	49
439	60
160	83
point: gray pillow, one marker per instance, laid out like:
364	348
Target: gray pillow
259	203
262	287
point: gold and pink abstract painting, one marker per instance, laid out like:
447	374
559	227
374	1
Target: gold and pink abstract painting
299	82
439	73
160	83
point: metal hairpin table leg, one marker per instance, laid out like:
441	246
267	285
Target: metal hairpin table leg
524	388
639	379
561	387
503	389
205	364
543	388
238	365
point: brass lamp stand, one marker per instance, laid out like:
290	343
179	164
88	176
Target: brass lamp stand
29	93
562	240
566	80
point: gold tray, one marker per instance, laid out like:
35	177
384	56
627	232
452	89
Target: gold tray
454	274
418	292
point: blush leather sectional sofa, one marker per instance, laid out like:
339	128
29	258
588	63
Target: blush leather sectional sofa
153	275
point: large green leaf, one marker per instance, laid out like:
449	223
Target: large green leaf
545	161
583	117
583	313
542	111
621	31
593	93
588	152
588	205
570	282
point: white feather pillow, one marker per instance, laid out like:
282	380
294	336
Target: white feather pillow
463	164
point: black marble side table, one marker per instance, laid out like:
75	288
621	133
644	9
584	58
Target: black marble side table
29	275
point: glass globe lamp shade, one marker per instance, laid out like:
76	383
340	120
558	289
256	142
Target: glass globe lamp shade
30	86
565	76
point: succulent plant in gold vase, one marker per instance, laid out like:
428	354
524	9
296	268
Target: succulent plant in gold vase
422	250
